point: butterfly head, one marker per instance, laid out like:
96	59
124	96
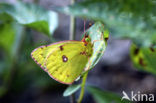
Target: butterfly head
87	43
86	39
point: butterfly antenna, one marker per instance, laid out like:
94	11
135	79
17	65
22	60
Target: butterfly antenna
84	24
86	35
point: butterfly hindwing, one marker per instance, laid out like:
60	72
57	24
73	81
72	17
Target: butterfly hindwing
66	62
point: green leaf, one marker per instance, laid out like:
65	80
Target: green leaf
101	96
32	16
99	36
125	19
144	58
71	89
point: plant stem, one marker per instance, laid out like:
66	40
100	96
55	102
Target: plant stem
82	87
72	37
72	25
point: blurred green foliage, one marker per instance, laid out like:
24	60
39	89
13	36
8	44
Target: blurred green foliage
130	19
16	45
32	16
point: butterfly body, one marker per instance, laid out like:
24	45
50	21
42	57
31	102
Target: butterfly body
64	61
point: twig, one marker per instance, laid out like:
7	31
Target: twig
72	25
72	98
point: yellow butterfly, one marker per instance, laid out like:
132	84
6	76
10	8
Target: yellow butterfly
64	61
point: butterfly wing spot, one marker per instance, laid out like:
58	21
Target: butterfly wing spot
106	39
61	47
136	51
54	70
152	49
83	53
41	54
64	58
67	75
141	62
61	73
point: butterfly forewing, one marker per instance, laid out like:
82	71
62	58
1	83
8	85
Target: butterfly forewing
39	54
66	63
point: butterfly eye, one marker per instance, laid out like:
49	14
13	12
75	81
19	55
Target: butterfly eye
87	39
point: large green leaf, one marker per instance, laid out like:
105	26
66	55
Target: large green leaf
125	19
99	36
144	58
10	34
101	96
32	16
